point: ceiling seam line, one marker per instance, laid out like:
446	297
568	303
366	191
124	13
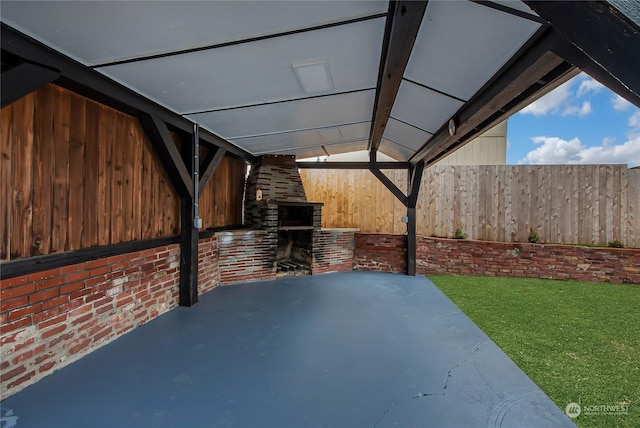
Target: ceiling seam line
434	90
354	91
238	42
410	124
399	144
298	130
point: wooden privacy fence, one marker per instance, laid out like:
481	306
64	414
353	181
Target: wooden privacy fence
572	204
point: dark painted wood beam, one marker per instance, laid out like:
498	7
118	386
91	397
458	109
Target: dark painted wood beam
353	165
415	179
96	86
390	185
533	68
606	43
403	23
168	153
188	229
24	78
209	165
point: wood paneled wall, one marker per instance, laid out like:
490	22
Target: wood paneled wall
77	174
574	204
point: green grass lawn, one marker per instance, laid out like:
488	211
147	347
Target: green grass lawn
579	341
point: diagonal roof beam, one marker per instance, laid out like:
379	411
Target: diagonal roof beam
24	78
601	40
533	69
403	23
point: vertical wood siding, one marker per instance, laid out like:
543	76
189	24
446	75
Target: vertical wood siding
573	204
76	174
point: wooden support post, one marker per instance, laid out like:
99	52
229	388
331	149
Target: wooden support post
188	229
415	178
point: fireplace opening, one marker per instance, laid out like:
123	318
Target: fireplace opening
293	255
295	216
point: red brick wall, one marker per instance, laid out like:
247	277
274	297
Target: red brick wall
452	256
380	252
208	273
52	318
246	255
333	250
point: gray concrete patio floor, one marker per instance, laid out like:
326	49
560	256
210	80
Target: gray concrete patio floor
355	349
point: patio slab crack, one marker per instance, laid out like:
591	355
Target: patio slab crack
441	393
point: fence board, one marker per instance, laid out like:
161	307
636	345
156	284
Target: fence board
77	135
21	165
43	155
5	181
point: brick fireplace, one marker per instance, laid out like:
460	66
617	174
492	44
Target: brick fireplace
275	201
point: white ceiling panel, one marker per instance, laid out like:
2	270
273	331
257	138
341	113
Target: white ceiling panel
290	116
257	72
310	152
407	135
301	139
423	108
100	31
396	151
461	44
336	149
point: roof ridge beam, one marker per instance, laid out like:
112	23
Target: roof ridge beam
403	24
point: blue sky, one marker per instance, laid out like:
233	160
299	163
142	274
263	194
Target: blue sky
580	122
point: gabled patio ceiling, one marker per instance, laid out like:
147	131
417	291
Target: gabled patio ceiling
312	78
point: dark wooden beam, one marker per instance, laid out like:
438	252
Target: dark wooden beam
13	268
411	241
403	23
531	70
353	165
96	86
188	229
168	153
415	179
389	185
209	165
606	43
24	78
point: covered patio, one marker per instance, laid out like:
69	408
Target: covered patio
354	349
127	133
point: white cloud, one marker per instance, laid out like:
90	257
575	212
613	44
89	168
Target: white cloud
620	104
551	102
565	99
555	150
581	111
588	86
634	125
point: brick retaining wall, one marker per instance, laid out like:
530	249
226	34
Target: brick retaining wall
468	257
380	252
